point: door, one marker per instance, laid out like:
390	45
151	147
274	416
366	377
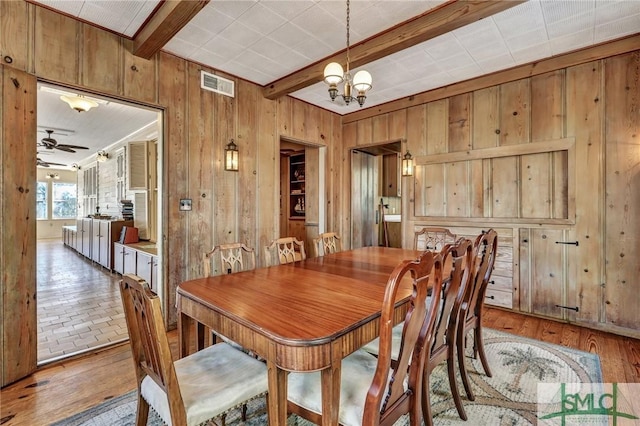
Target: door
18	323
364	178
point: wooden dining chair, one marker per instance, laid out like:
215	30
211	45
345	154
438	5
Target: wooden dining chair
470	317
228	259
460	256
286	249
375	391
328	242
432	238
191	390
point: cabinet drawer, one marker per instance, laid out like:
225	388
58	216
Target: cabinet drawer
499	298
498	282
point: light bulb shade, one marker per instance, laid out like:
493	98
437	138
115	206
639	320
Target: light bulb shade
362	81
407	165
79	103
231	157
102	156
333	74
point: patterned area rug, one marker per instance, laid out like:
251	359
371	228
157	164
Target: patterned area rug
507	398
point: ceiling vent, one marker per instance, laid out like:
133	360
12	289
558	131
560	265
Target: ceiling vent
217	84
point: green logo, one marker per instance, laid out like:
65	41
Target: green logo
589	404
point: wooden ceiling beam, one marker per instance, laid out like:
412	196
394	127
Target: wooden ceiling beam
448	17
168	19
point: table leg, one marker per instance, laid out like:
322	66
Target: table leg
330	378
185	323
277	397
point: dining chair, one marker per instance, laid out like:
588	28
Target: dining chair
287	249
328	242
470	317
375	391
461	257
432	238
228	258
191	390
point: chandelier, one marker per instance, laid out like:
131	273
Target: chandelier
334	75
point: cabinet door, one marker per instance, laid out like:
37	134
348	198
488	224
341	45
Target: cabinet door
391	175
85	226
104	257
144	268
129	261
118	258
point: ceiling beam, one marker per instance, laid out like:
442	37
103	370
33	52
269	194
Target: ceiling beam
168	19
448	17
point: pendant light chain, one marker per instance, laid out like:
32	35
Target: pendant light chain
348	22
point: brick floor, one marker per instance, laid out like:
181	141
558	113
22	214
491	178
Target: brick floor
79	305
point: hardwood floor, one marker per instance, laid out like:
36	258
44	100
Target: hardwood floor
62	389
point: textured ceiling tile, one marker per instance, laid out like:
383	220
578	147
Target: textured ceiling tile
262	19
571	25
223	47
527	39
182	47
555	11
615	29
532	53
240	34
209	19
497	63
233	9
442	47
289	9
525	15
572	41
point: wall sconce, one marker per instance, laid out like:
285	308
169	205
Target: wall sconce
79	103
52	176
102	156
231	157
75	166
407	165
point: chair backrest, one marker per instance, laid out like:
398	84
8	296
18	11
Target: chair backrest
328	242
486	246
287	249
149	343
387	398
228	259
432	238
461	257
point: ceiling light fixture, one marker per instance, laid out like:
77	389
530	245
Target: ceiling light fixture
102	156
75	166
79	102
52	176
334	75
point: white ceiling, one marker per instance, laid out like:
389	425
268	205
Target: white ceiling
264	40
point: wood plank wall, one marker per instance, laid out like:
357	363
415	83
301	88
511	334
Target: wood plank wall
198	124
552	157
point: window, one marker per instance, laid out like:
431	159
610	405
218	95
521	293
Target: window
64	201
41	201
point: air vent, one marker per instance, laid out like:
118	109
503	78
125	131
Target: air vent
217	84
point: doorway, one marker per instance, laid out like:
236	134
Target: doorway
376	195
79	307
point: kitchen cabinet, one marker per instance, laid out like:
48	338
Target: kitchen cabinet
104	234
124	259
147	269
83	236
139	259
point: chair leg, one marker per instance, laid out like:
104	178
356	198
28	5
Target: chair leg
142	413
461	343
426	400
480	346
454	385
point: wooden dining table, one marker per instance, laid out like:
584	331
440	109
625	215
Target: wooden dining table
303	316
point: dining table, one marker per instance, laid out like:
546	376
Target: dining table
303	316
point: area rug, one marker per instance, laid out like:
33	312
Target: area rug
508	398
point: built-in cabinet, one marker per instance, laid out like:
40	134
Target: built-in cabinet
69	236
95	238
295	199
140	259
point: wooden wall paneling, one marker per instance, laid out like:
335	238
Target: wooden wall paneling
172	87
335	175
102	60
328	138
283	115
536	181
16	35
433	198
380	128
140	78
416	144
486	118
560	191
311	123
585	120
247	102
622	226
548	106
298	129
476	188
349	139
515	118
57	52
459	123
437	126
201	164
365	133
505	188
267	175
18	355
398	125
312	194
525	269
457	189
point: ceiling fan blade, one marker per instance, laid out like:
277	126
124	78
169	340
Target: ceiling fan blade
64	148
55	164
72	146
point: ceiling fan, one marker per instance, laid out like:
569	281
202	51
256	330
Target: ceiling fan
41	162
50	143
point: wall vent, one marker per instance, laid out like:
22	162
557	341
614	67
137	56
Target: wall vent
217	84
